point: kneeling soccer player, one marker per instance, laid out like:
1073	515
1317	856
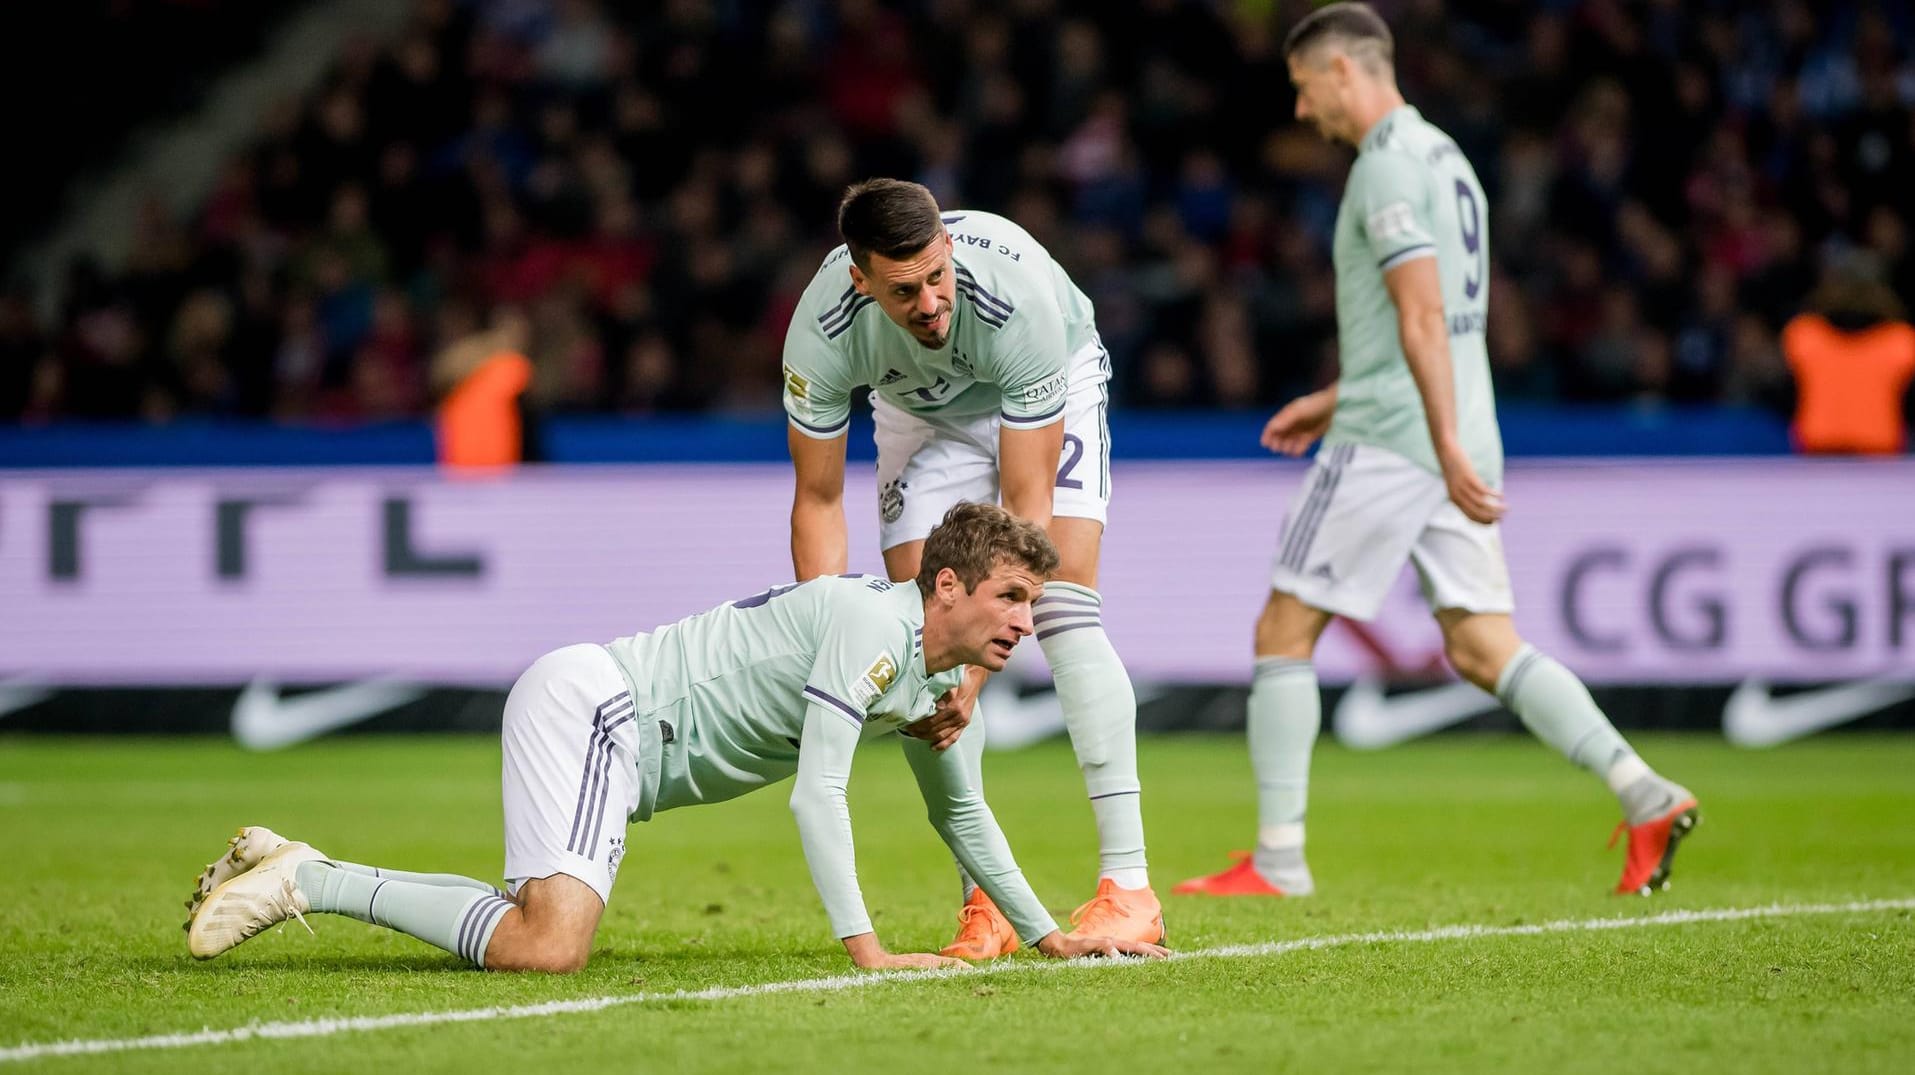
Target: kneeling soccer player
706	709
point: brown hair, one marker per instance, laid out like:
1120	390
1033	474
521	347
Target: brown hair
974	538
887	216
1355	26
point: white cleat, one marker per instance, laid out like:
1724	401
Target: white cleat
243	852
246	903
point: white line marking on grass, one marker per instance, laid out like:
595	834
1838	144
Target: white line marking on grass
321	1028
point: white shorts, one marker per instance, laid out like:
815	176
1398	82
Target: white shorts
927	463
570	776
1363	510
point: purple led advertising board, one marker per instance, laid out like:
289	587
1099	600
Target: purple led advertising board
1630	571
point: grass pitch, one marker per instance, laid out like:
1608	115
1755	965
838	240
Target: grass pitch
102	838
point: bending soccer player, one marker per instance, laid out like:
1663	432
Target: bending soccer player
787	682
987	379
1411	467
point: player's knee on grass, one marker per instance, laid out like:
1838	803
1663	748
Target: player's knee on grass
551	930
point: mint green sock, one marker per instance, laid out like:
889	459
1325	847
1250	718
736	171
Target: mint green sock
457	918
1285	714
1100	712
1556	707
439	880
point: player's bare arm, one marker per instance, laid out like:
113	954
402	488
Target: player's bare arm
1027	475
819	540
1027	469
1301	422
1417	292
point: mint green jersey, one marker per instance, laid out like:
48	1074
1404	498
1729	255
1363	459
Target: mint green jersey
1412	194
734	682
789	682
1016	323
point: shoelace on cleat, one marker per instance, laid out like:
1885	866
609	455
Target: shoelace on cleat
286	902
1105	904
972	918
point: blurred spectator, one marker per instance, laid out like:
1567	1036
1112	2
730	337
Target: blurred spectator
481	380
1853	355
652	183
22	356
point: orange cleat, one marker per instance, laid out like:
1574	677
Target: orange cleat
1652	847
1124	914
1241	879
983	931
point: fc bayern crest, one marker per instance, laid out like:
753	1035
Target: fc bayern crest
891	500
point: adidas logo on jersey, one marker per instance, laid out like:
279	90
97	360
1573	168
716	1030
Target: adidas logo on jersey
1322	571
890	377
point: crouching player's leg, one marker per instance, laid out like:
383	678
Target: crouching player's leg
570	761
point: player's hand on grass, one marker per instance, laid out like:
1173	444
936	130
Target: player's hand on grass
912	961
1300	423
948	721
1468	491
868	954
1060	945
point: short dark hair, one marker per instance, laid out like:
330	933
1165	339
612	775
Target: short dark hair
1356	26
891	217
973	539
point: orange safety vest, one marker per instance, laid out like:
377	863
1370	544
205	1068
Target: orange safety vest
1849	385
479	423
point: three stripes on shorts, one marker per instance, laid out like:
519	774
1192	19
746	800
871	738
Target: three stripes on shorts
588	817
1301	531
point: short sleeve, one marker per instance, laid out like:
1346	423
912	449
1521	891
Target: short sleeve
1390	193
1030	353
858	656
817	395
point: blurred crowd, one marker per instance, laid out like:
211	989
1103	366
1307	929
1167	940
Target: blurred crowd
644	188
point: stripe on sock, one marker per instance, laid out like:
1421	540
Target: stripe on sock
465	927
478	918
372	904
1513	677
1576	752
1050	599
1277	667
487	920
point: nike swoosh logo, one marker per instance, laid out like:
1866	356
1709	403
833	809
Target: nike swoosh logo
262	720
21	693
1367	719
1753	718
1013	721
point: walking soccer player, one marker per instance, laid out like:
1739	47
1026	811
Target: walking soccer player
987	378
786	682
1411	468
